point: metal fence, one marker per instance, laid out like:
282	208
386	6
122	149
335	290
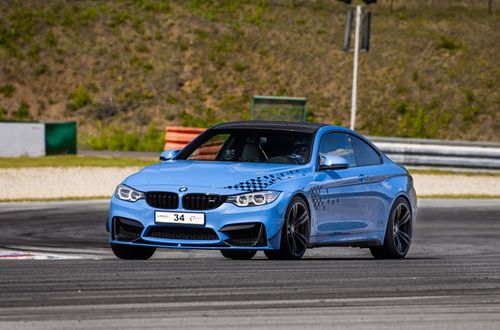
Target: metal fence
438	153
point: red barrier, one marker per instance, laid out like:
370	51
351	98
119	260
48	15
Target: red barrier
178	137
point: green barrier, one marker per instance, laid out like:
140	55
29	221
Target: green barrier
60	138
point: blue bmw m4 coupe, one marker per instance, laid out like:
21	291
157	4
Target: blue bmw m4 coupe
277	187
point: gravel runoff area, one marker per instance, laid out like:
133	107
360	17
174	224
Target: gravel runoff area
67	182
50	182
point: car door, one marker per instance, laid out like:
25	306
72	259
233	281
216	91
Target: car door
341	198
372	173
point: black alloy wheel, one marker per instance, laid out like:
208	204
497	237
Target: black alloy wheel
295	232
398	233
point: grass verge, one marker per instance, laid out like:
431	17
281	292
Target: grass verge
73	161
96	161
464	196
452	172
60	199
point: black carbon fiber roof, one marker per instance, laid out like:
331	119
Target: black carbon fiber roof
278	125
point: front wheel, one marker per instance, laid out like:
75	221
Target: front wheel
295	232
131	252
398	233
238	254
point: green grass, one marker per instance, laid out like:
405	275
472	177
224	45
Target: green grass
73	161
464	196
59	199
92	161
450	172
115	138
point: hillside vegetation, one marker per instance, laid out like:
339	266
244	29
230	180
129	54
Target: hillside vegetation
126	69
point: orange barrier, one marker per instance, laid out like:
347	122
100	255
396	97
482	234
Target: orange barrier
209	150
178	137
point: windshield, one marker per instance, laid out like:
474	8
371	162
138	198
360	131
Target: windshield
281	147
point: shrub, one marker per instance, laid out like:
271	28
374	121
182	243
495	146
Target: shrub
239	67
114	138
7	90
448	43
22	112
41	69
172	99
51	40
119	18
79	98
153	6
202	118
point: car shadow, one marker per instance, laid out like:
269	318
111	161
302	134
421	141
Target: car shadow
365	258
305	259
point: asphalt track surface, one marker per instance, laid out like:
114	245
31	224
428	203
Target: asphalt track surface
450	279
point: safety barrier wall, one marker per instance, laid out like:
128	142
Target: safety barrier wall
439	153
178	137
36	139
60	138
22	139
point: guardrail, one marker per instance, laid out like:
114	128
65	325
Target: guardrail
439	153
406	151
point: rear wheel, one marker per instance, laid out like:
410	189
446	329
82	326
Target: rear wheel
398	233
238	254
130	252
295	232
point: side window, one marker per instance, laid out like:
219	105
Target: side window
364	153
338	144
210	149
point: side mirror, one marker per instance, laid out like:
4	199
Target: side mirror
330	162
168	154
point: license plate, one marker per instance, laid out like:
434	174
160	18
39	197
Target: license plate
180	218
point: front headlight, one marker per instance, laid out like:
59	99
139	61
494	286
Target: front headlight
128	194
253	199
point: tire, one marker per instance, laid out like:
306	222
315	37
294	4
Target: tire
294	233
238	254
130	252
398	233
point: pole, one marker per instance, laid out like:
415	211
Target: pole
355	70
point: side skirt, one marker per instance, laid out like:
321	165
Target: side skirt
359	244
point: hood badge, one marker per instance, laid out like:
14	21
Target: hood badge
183	189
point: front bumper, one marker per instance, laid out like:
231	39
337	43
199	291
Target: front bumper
226	227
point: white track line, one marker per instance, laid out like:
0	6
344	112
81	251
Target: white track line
30	255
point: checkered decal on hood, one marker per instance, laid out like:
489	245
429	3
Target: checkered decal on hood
262	182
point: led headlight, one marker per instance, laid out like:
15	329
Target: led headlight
253	199
128	194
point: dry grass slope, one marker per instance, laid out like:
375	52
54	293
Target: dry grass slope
134	66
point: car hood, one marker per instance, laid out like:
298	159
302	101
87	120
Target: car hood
226	175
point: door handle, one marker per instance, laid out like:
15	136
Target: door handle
362	178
